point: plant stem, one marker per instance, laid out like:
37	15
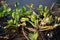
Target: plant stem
24	34
32	24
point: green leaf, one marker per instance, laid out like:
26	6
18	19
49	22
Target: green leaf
15	21
16	14
32	23
33	36
40	9
46	8
25	19
10	21
8	26
46	11
27	13
51	19
33	17
23	9
8	10
36	23
17	4
56	17
31	5
23	24
1	14
46	14
13	14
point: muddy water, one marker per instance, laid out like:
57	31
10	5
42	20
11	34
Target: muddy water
35	2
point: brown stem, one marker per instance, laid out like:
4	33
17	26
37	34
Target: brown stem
52	6
31	29
24	34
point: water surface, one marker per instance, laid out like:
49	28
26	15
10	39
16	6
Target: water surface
35	2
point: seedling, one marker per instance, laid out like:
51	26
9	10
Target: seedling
21	17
